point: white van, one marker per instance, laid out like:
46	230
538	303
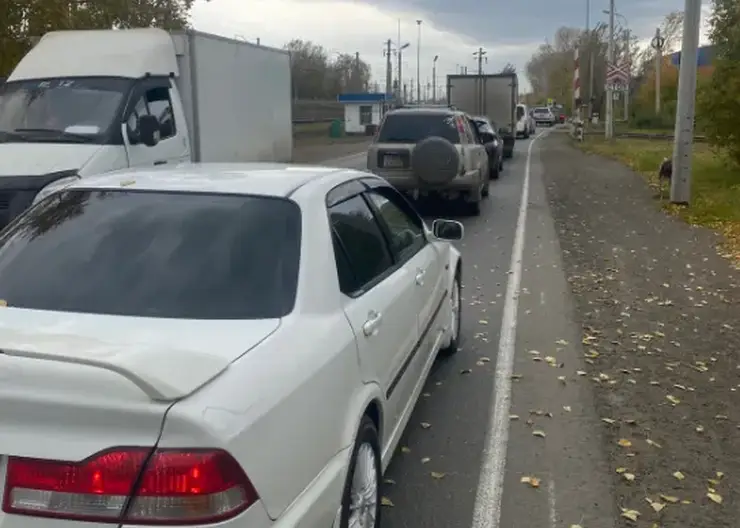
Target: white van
81	103
524	123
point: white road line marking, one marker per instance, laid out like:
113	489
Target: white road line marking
551	501
487	509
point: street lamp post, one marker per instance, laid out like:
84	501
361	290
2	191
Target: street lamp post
434	79
418	62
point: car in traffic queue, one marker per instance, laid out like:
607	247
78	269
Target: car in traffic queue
542	115
228	345
525	125
493	143
431	151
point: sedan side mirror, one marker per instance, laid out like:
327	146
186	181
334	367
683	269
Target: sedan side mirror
448	229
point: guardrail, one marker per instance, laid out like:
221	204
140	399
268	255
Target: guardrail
642	135
308	121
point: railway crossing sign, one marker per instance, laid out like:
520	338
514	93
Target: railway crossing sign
617	74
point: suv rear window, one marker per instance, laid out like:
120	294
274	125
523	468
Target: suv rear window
154	254
413	127
541	110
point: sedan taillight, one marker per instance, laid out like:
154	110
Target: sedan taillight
131	485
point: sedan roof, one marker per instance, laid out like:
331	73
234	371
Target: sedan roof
268	179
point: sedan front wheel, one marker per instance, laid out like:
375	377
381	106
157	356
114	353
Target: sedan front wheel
361	497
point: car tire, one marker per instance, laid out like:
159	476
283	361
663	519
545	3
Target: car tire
495	172
455	318
367	444
473	207
501	164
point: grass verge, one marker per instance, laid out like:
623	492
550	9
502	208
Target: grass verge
715	183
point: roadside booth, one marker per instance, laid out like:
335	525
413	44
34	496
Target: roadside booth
363	111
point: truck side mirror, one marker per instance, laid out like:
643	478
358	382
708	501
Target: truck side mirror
149	130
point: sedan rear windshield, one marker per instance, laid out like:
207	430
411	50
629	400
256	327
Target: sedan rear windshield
541	110
154	254
412	128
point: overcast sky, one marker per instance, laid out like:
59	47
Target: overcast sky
509	30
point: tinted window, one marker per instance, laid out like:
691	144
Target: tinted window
519	112
406	236
413	127
360	237
154	254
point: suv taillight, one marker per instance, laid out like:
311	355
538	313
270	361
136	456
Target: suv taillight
132	486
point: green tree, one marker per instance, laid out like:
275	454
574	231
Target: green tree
718	103
33	18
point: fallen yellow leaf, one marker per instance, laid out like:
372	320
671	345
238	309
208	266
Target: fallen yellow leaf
629	477
715	497
609	421
669	498
673	399
657	506
679	475
405	449
385	501
632	515
533	482
540	434
653	443
425	460
624	442
438	475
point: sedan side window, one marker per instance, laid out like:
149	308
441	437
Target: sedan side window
359	244
405	233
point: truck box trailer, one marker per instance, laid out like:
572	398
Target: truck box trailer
494	96
86	102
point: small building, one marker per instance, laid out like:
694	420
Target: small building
363	111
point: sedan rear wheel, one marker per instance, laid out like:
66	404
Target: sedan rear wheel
361	498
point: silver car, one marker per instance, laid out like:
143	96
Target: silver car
431	151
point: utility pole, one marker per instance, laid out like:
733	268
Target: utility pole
418	63
434	79
480	54
359	85
657	44
388	67
609	125
684	132
590	61
628	63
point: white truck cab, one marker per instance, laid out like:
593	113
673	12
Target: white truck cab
86	102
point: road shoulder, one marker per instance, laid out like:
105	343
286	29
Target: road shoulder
658	309
554	434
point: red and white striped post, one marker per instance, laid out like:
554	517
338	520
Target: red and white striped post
577	85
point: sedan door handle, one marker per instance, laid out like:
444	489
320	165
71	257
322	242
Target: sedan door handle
370	328
419	279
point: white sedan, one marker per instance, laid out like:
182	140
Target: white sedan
239	345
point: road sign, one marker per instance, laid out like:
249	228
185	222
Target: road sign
617	73
616	86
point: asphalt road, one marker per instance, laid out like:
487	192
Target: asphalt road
509	404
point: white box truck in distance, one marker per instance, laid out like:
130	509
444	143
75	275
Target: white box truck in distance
87	102
494	96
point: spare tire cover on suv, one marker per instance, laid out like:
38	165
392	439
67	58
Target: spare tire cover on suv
435	161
